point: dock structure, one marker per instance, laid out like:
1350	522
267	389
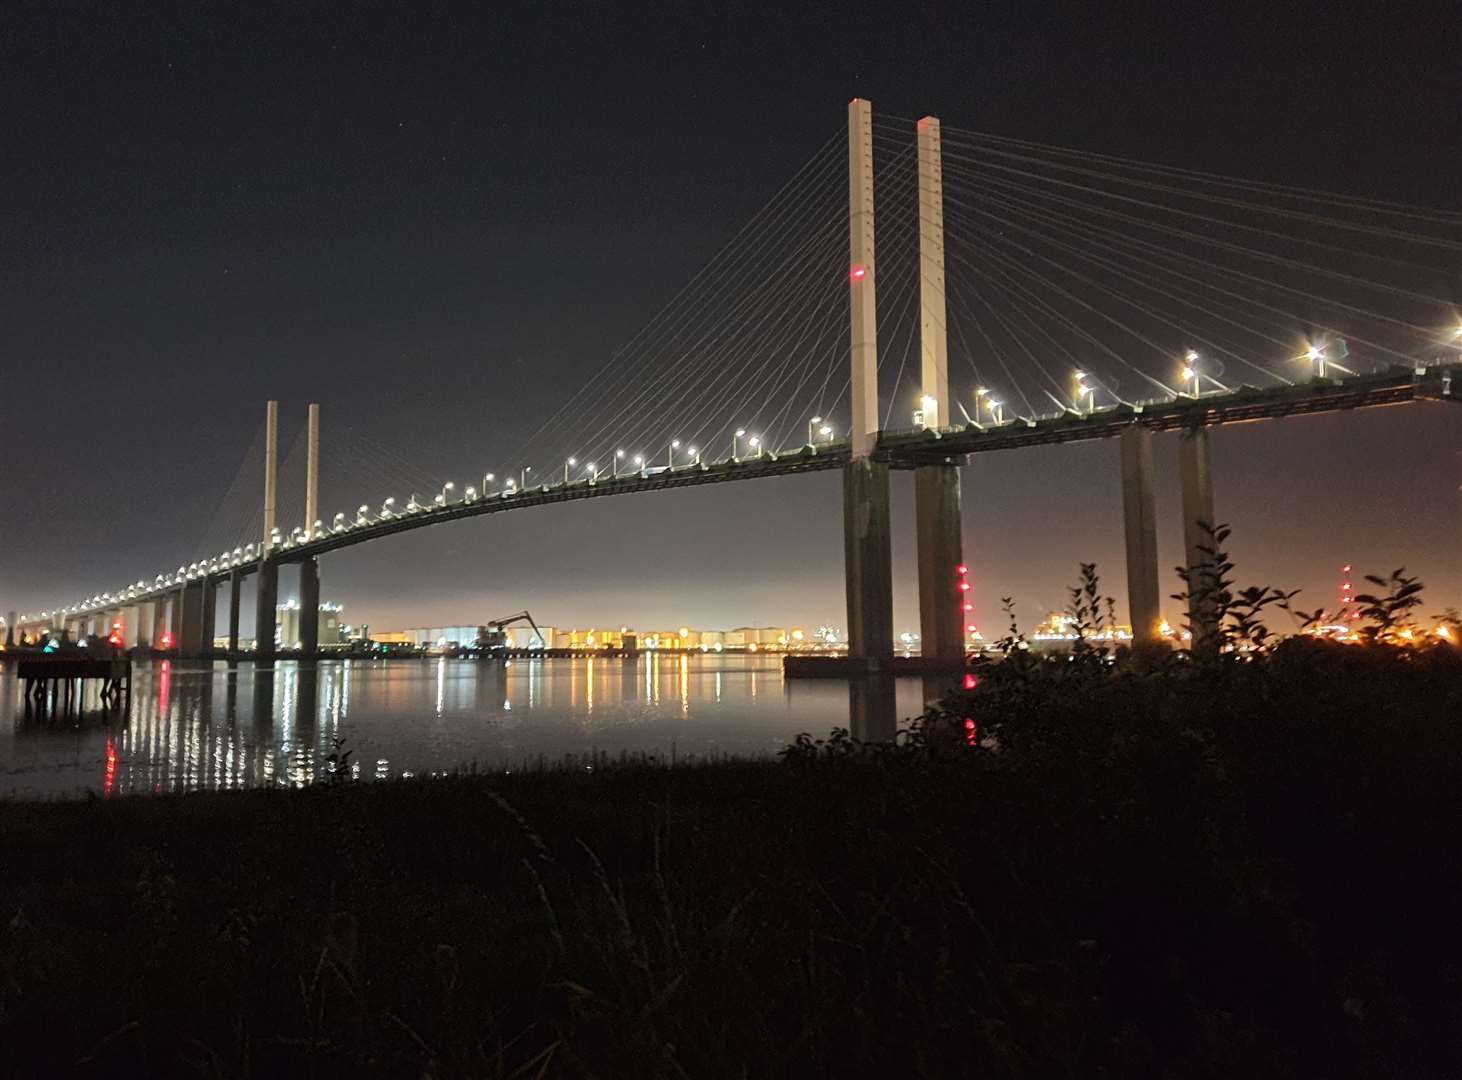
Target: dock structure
57	684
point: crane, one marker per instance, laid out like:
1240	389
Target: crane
491	636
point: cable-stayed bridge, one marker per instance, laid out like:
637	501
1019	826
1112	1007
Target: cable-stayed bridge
1018	294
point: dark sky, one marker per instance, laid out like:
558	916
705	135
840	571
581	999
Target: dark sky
433	219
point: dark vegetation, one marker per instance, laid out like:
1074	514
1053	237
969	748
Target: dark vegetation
1231	864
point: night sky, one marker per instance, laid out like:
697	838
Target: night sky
433	220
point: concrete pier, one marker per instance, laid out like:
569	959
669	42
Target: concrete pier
190	627
941	603
235	596
146	621
161	623
309	607
208	617
1197	483
867	562
1140	520
266	599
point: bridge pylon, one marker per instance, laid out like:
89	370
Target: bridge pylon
936	485
867	559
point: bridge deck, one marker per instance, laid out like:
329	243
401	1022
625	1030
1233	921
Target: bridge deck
909	449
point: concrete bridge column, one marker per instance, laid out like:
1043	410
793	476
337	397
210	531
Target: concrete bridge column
867	562
235	584
310	607
936	487
939	541
866	555
145	620
266	599
190	621
1197	482
9	629
1141	531
208	589
162	635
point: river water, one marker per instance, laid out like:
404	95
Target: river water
210	726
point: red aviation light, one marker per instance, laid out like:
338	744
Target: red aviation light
858	273
964	586
969	607
961	569
971	680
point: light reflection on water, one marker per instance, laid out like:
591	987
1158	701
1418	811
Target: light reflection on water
204	727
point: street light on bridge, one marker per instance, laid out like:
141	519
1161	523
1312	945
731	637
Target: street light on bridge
1316	355
736	444
1085	391
614	463
523	477
755	443
810	425
1189	373
670	455
996	409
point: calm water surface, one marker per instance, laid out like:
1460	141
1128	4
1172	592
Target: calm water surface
207	726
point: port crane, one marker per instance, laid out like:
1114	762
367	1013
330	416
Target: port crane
492	635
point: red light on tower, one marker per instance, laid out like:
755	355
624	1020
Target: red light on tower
961	569
858	273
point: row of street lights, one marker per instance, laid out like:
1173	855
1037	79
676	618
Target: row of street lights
817	430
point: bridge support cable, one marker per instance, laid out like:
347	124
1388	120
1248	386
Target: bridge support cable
1267	284
239	504
1315	223
1130	267
1258	311
747	336
673	346
1211	309
747	345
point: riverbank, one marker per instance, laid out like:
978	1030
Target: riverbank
1236	874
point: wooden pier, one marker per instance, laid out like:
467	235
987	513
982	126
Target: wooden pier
57	683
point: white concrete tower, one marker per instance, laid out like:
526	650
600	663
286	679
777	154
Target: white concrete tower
312	472
862	278
933	335
866	551
271	470
943	599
